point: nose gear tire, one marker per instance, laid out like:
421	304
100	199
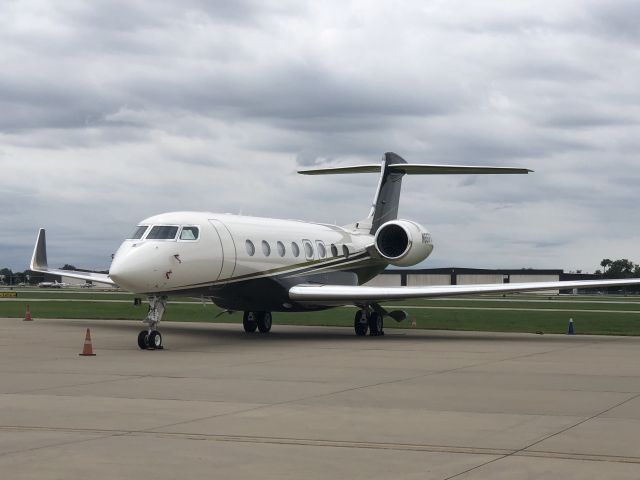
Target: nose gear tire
143	340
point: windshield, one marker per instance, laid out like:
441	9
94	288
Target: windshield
162	232
138	233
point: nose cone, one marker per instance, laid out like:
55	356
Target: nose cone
129	273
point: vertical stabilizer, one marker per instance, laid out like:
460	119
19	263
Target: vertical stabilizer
387	199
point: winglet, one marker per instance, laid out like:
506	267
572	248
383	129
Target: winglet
39	258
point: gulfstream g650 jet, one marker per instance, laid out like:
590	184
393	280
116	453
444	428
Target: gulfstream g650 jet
262	265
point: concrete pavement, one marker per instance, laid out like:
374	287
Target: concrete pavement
314	402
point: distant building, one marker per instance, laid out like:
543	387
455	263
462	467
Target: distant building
462	276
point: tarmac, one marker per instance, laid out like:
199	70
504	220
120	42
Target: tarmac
315	402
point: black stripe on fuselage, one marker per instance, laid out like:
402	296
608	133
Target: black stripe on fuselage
269	291
289	270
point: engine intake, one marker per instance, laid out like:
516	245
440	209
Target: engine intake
403	243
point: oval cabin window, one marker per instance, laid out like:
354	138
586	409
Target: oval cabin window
250	248
308	249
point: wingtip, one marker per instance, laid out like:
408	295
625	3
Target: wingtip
39	258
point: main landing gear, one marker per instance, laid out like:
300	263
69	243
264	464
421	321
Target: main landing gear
151	339
257	320
371	321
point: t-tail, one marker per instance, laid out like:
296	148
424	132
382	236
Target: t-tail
392	168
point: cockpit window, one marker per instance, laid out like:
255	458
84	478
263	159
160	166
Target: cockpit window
162	232
138	233
189	233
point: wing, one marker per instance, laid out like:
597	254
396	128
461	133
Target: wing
39	264
344	294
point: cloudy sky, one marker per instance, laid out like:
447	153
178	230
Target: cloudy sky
112	111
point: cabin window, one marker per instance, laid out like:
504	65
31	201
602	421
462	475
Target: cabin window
281	250
334	250
345	251
250	248
138	233
163	232
295	249
308	249
266	248
189	233
322	250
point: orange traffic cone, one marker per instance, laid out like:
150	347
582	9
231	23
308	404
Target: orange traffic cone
87	351
27	316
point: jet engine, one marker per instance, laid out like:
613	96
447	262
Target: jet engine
403	243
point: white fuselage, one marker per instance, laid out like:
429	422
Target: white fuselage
228	248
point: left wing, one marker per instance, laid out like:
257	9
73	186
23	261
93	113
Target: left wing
344	294
39	264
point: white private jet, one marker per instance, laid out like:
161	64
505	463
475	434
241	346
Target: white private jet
262	265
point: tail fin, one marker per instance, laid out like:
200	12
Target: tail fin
387	199
392	169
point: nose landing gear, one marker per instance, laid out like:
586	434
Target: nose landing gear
151	339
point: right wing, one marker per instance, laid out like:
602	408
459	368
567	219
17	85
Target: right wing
333	295
39	264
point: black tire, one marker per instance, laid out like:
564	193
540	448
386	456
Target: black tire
361	323
143	340
264	320
376	325
155	340
249	322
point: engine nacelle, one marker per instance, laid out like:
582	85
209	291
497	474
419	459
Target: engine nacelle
403	243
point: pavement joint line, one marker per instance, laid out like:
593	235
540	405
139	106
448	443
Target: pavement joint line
82	384
351	389
524	450
55	445
107	433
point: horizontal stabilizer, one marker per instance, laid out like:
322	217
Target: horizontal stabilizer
418	169
372	168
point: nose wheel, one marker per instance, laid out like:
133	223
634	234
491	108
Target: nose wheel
151	339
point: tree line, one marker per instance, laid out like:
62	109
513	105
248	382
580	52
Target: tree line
623	268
